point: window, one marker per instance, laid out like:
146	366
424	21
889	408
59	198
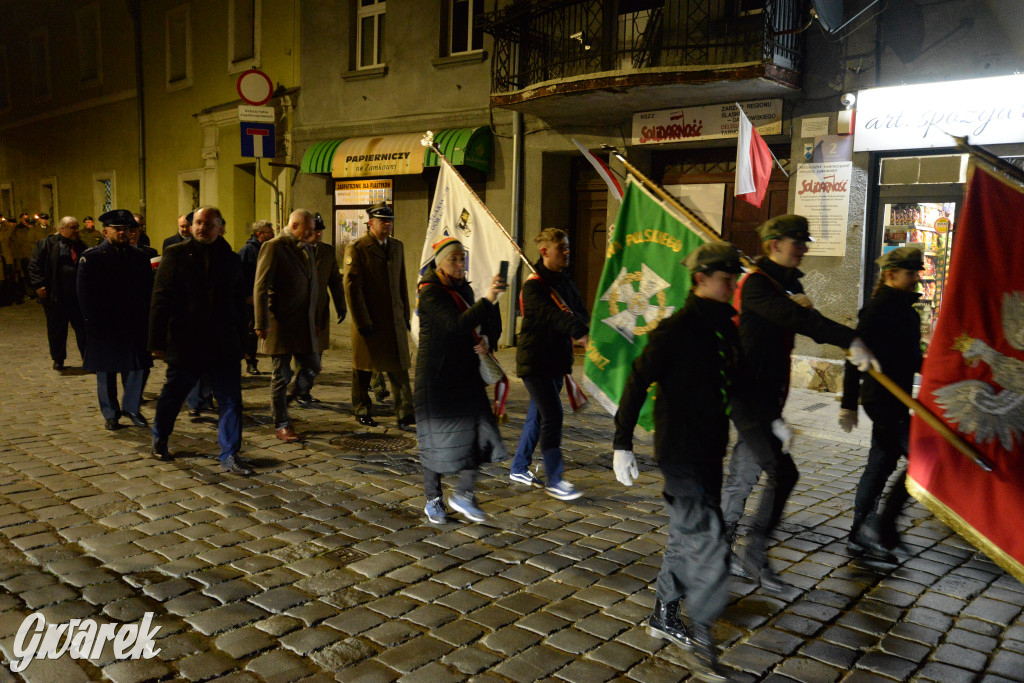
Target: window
6	200
5	90
87	28
48	196
179	48
39	54
243	35
104	197
464	34
370	33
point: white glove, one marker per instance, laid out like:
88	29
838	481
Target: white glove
847	419
783	433
624	464
860	355
802	299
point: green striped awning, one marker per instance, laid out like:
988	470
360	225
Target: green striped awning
318	158
463	147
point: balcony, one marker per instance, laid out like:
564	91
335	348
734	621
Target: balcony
557	58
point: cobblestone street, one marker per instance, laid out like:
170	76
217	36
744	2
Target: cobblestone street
322	566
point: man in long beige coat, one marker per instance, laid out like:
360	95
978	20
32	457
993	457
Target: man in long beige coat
285	301
378	299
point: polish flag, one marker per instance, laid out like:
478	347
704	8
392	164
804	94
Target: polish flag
753	163
602	170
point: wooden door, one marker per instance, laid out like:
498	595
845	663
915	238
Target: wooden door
588	236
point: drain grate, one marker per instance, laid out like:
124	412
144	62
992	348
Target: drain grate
345	555
815	406
373	443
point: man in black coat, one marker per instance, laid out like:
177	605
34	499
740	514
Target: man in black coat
249	253
53	273
184	231
114	286
693	356
773	310
196	326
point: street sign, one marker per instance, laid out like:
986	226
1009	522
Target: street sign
258	140
247	112
255	87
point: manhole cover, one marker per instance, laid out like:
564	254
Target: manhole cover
345	555
373	443
815	406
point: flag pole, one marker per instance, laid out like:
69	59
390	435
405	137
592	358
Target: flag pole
428	142
923	412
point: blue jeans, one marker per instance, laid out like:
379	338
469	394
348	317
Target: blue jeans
106	388
543	424
227	389
200	395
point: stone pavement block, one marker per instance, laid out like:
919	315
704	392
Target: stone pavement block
355	621
219	619
510	640
414	654
471	660
368	672
136	671
280	599
1007	664
463	601
886	665
961	657
431	673
972	640
939	672
280	666
458	633
533	664
904	649
391	633
808	671
830	653
586	671
431	616
308	640
312	612
205	666
63	669
995	611
751	659
244	642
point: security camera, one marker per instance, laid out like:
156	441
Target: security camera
848	99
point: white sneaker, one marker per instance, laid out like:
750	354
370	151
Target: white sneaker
563	490
527	477
436	513
467	506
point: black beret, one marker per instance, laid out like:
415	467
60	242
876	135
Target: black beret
119	218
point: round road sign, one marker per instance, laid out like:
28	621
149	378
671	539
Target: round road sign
255	87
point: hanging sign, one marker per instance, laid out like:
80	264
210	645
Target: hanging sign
705	123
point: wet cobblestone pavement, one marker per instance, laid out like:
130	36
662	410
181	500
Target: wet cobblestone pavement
322	566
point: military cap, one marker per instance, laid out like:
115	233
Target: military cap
788	225
44	216
87	218
318	223
118	218
713	256
910	258
380	210
188	216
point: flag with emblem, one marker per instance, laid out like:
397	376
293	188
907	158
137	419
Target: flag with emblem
642	284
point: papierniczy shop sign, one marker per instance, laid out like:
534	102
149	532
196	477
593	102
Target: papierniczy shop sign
705	123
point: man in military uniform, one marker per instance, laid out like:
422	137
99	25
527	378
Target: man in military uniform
23	241
378	299
89	234
773	309
53	271
693	357
196	326
114	286
10	289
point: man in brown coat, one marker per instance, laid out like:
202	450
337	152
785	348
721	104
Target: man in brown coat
378	299
285	300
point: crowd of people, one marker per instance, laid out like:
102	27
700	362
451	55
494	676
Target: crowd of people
723	357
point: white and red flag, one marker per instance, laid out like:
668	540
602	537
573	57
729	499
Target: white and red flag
753	163
602	170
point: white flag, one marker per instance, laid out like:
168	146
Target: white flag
457	212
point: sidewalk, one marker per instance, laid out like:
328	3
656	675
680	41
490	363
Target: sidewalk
322	567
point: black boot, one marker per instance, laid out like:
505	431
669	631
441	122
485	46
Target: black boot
754	562
870	538
704	656
854	544
665	623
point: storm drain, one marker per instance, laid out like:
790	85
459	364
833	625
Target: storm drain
815	406
373	443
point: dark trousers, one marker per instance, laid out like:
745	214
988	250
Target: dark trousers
309	368
201	394
758	450
432	483
889	440
400	388
227	389
12	289
106	388
696	561
251	342
545	428
57	320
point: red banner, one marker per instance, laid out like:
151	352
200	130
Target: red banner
973	378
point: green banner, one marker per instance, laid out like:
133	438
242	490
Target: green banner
642	284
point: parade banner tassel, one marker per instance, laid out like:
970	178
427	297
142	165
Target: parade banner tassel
642	284
973	377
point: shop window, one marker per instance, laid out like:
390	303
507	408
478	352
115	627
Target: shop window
370	33
87	30
5	90
462	26
103	195
39	56
924	170
178	34
244	34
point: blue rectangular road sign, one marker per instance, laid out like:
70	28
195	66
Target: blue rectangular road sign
258	140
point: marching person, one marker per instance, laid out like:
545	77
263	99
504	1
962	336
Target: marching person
184	231
89	234
891	327
378	299
114	286
455	426
284	297
196	326
773	309
693	357
23	241
554	317
53	271
249	253
135	235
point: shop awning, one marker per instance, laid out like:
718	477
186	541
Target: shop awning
400	154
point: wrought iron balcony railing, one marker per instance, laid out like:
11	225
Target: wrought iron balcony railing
544	40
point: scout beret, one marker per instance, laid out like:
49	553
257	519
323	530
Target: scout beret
713	256
787	225
445	245
380	210
118	218
910	258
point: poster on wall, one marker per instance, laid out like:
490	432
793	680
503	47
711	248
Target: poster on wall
823	196
349	225
707	200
